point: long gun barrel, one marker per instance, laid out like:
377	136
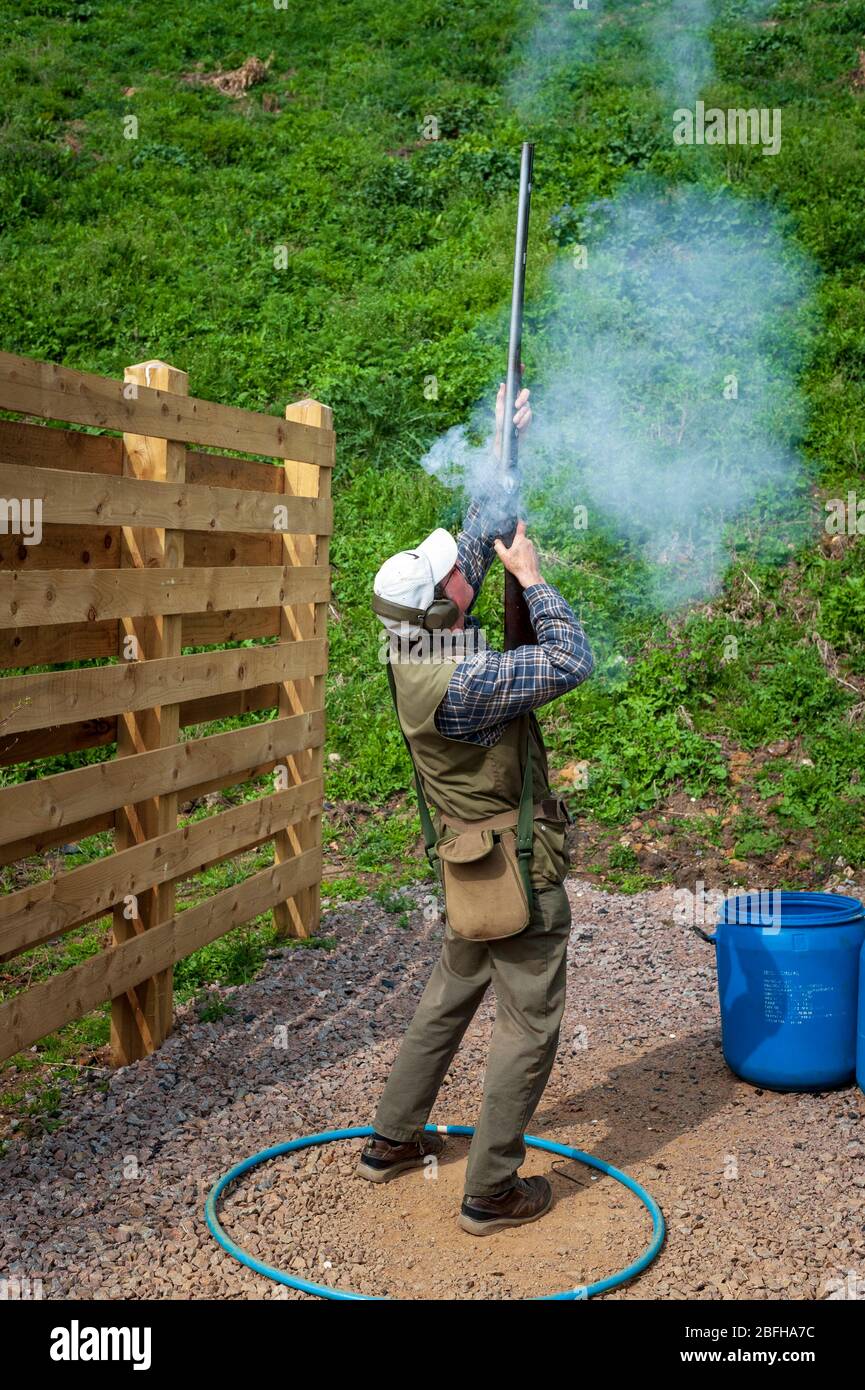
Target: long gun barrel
518	627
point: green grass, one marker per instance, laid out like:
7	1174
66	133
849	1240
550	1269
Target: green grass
117	250
398	267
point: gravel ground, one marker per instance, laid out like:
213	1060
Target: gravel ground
764	1194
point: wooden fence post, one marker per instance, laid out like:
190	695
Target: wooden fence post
142	1017
300	915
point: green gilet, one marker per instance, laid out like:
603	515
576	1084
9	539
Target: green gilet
467	780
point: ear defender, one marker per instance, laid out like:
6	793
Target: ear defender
442	613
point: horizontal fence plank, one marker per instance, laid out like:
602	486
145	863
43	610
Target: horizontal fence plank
52	448
58	697
229	705
200	790
217	548
37	842
67	797
216	470
85	499
98	547
56	643
73	596
47	909
34	744
230	625
45	447
58	393
73	993
65	547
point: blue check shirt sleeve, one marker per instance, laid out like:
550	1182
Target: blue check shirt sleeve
490	689
476	547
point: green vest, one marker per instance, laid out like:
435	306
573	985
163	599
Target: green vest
469	781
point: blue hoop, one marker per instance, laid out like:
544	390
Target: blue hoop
328	1136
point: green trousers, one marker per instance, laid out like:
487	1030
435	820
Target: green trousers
527	973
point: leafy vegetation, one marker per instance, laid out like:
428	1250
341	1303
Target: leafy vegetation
397	265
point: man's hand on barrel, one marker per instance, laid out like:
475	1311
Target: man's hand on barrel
520	558
522	416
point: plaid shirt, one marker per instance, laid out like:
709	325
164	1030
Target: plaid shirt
489	689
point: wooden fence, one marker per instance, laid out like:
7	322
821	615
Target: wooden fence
149	548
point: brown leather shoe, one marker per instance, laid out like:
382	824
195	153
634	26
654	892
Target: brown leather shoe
527	1200
382	1159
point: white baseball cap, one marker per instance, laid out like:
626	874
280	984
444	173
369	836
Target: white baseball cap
410	577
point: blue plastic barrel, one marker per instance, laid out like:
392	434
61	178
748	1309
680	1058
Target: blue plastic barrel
788	983
860	1050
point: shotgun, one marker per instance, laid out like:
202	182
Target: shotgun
518	628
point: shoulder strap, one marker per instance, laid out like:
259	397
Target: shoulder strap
526	818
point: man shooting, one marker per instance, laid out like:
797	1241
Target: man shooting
499	839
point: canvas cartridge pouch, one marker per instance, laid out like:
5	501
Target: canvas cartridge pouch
485	896
484	870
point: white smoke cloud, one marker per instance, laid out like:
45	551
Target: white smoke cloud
675	35
558	45
666	389
678	37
